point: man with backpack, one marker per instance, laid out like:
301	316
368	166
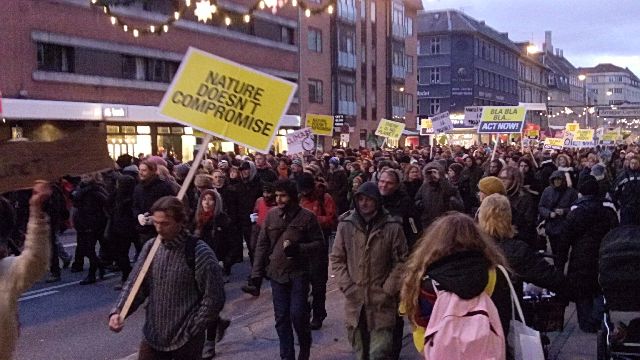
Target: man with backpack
184	288
367	259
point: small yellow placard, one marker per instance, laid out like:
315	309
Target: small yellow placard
390	129
227	100
583	134
572	127
320	124
553	143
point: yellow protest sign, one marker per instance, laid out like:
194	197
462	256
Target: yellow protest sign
390	129
228	100
572	127
426	127
320	124
553	143
502	119
583	135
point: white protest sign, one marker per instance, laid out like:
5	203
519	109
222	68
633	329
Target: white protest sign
441	123
472	115
299	141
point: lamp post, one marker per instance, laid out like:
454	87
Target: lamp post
583	78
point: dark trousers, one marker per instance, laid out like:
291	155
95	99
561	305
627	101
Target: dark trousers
398	331
560	249
54	262
192	350
251	245
120	244
87	240
291	310
590	312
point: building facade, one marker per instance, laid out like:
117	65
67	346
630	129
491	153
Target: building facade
532	82
65	54
612	85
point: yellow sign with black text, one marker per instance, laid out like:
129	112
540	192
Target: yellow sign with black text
390	129
320	124
572	127
227	100
583	134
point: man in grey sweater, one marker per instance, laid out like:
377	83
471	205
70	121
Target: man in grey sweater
180	303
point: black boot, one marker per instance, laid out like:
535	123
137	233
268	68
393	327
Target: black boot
90	279
253	287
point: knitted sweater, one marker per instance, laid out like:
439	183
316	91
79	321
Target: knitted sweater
17	274
180	304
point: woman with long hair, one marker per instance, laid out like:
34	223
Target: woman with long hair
524	206
412	179
494	218
456	254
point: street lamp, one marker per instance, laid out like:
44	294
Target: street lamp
583	77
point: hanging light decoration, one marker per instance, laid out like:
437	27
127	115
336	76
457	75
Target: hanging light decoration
204	11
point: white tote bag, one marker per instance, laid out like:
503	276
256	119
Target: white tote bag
523	342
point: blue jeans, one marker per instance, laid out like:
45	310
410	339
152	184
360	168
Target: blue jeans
291	307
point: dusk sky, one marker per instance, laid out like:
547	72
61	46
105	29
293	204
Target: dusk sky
588	31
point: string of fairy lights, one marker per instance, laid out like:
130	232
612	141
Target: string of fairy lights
204	10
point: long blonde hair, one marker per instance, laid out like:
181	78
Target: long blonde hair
494	217
452	233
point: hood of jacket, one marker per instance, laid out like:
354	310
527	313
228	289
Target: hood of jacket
369	189
464	273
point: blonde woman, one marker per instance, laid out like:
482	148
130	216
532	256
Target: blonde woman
494	218
456	254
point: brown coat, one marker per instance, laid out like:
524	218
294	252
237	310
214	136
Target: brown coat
368	266
299	226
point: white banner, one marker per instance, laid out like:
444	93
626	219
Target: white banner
472	115
441	123
299	141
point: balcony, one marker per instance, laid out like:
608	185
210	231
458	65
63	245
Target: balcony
346	60
347	107
398	111
398	72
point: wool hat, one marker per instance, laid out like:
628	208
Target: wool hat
588	186
491	185
306	183
457	168
131	169
335	161
598	171
296	162
158	160
181	171
203	181
223	164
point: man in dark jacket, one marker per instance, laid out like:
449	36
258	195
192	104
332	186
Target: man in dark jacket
338	185
248	190
553	208
264	170
146	193
590	219
436	196
547	167
289	237
627	193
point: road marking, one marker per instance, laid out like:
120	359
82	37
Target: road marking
37	295
107	276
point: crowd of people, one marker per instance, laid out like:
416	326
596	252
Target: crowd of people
389	224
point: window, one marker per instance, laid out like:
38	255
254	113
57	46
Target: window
160	70
363	9
346	40
408	26
347	9
286	35
397	21
347	92
617	91
373	12
435	45
315	91
133	68
55	58
434	106
408	102
434	76
409	64
314	39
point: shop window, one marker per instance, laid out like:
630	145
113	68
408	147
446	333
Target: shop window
128	129
177	130
113	129
164	130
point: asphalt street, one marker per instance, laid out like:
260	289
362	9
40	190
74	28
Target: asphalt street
65	320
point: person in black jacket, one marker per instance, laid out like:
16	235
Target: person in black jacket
590	219
121	231
249	189
523	206
627	193
547	167
90	219
553	208
147	191
494	218
468	187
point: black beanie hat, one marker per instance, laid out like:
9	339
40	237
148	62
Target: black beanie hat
588	186
306	183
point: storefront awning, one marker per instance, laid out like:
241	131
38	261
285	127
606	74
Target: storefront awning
27	109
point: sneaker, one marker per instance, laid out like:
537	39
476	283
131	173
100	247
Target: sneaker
221	330
52	278
209	350
251	290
